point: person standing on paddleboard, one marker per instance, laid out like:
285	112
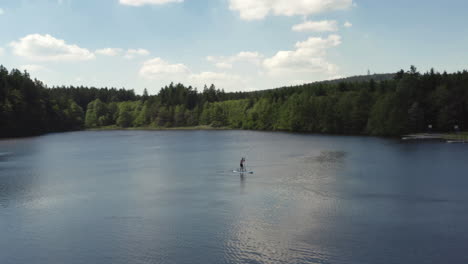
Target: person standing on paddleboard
242	164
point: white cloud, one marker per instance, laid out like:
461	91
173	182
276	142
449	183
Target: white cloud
162	71
2	50
129	54
2	12
109	51
259	9
309	56
132	53
47	48
221	80
212	77
33	68
223	65
335	77
347	24
158	68
252	57
316	26
243	56
148	2
308	60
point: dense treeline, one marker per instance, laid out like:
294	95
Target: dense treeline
84	95
26	107
390	104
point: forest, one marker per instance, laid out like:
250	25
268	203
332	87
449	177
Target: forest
378	105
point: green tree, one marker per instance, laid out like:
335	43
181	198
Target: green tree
91	119
416	118
125	118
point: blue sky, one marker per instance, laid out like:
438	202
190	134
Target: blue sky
238	45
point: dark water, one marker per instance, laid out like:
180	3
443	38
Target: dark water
169	197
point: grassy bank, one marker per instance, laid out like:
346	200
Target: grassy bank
463	136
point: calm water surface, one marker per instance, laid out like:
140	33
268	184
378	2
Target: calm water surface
171	197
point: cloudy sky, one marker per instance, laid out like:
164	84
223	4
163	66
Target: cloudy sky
235	44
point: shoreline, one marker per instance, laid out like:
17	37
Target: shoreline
461	137
209	128
110	128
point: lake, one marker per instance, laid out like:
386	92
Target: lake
171	197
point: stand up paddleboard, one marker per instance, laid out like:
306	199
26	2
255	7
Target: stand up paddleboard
242	172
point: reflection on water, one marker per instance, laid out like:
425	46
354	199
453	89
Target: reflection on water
171	197
333	157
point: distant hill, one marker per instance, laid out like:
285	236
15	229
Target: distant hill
363	78
295	88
